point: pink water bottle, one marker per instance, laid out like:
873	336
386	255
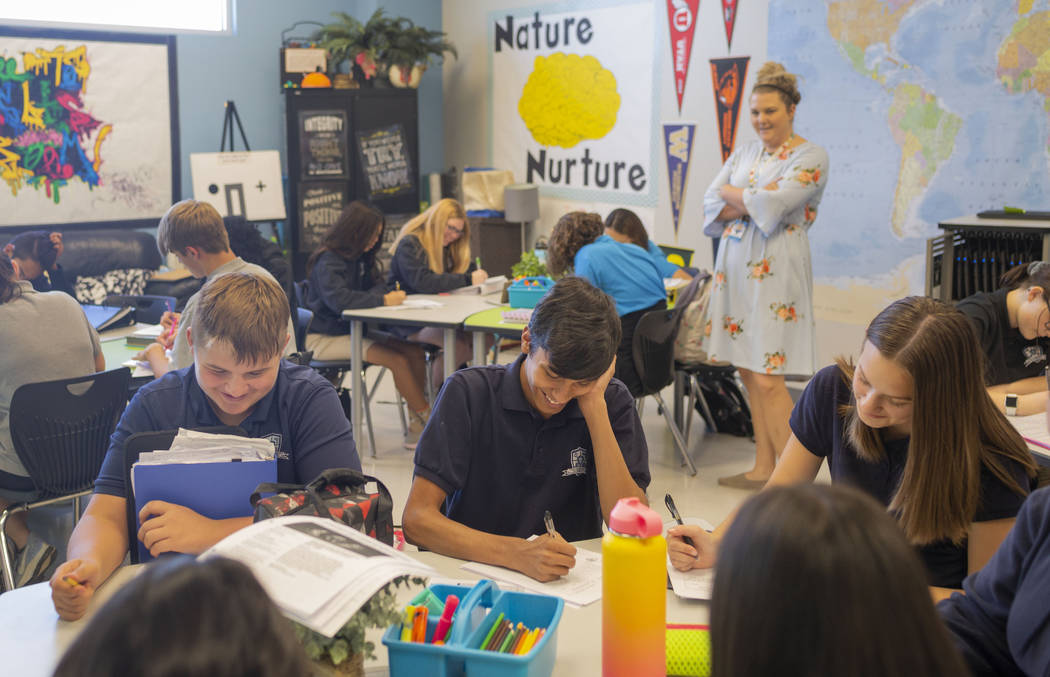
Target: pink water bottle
634	592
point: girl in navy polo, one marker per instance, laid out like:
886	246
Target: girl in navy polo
911	424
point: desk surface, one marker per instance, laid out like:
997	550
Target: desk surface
491	320
454	309
34	637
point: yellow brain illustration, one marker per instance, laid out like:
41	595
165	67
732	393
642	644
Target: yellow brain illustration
568	98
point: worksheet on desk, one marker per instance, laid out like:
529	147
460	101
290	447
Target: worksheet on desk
695	583
1033	429
580	587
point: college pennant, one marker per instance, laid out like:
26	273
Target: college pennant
729	17
681	23
727	78
678	146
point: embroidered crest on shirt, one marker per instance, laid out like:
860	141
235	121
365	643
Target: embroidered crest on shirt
275	440
577	463
1033	355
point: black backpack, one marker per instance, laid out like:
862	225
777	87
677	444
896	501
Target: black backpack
727	404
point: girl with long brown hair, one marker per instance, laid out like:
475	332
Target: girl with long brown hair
911	424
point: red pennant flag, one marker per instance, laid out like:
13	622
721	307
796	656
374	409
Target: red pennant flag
729	16
727	78
681	23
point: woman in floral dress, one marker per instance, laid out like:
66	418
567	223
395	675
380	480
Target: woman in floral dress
760	318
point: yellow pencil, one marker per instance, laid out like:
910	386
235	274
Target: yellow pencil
72	581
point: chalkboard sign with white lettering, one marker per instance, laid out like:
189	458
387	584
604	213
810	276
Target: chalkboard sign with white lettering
320	205
322	144
383	154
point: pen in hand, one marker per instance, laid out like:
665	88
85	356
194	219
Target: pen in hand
397	285
549	522
669	502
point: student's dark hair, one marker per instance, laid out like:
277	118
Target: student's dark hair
35	245
247	311
9	288
570	234
626	222
1025	275
245	239
350	234
182	617
956	429
576	323
816	579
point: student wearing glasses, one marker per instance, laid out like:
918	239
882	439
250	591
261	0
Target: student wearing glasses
432	255
1012	324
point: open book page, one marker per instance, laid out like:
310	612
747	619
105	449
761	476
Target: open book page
318	571
580	587
695	583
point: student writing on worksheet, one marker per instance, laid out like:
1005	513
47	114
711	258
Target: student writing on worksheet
237	379
551	431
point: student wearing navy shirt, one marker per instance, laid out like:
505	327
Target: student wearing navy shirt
625	227
36	253
238	379
552	431
1002	623
912	426
625	272
1012	325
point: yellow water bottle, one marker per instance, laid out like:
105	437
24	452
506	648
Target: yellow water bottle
634	592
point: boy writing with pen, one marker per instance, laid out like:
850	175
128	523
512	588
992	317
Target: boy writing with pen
551	431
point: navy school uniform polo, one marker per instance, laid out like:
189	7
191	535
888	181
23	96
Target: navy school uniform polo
301	416
502	465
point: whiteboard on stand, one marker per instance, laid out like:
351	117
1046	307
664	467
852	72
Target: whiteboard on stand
244	184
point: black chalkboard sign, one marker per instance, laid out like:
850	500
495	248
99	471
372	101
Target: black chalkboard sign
320	205
322	144
383	154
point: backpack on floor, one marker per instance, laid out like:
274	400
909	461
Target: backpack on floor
727	404
692	304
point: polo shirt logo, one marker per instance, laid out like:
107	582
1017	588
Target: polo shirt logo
275	440
577	463
1033	355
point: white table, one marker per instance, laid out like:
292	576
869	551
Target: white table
455	308
34	638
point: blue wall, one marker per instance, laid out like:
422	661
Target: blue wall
243	67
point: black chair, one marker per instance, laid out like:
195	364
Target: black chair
303	318
60	431
138	444
653	352
148	309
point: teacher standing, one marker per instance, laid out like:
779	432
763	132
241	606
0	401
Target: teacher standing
762	204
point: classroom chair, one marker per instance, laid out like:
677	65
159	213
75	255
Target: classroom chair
148	308
60	431
653	352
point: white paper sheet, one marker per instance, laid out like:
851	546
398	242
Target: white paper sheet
582	585
695	583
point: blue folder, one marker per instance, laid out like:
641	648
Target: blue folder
215	490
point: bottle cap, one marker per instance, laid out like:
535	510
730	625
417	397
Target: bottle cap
631	517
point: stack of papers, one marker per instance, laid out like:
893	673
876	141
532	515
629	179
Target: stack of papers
191	446
489	286
580	587
318	571
143	336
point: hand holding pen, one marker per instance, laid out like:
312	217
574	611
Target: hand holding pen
673	509
689	546
547	557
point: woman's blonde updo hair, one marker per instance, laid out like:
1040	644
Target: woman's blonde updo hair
772	77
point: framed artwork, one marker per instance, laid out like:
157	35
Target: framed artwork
88	128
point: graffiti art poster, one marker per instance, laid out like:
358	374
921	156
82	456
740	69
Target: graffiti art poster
678	148
681	24
572	99
727	78
729	19
87	128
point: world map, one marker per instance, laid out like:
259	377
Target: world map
929	110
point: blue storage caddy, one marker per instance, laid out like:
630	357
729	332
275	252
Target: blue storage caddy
521	295
460	655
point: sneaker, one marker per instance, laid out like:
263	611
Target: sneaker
31	562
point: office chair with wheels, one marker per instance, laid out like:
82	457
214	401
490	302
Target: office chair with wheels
148	309
60	431
653	352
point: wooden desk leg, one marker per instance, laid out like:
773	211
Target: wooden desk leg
479	348
357	328
450	353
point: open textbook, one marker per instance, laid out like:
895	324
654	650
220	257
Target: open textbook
489	286
319	572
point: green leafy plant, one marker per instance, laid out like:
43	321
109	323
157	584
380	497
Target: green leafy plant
381	42
529	266
380	611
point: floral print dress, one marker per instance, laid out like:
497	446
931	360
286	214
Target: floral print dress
760	315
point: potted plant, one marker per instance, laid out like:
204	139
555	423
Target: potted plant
345	654
358	44
411	49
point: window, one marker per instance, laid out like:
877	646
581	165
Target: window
193	16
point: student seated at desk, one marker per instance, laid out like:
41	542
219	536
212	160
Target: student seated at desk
624	226
343	274
36	252
552	431
431	255
237	379
194	232
624	271
1012	325
181	616
818	580
912	425
70	349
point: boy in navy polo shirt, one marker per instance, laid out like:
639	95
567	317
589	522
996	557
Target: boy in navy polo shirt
552	431
238	379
